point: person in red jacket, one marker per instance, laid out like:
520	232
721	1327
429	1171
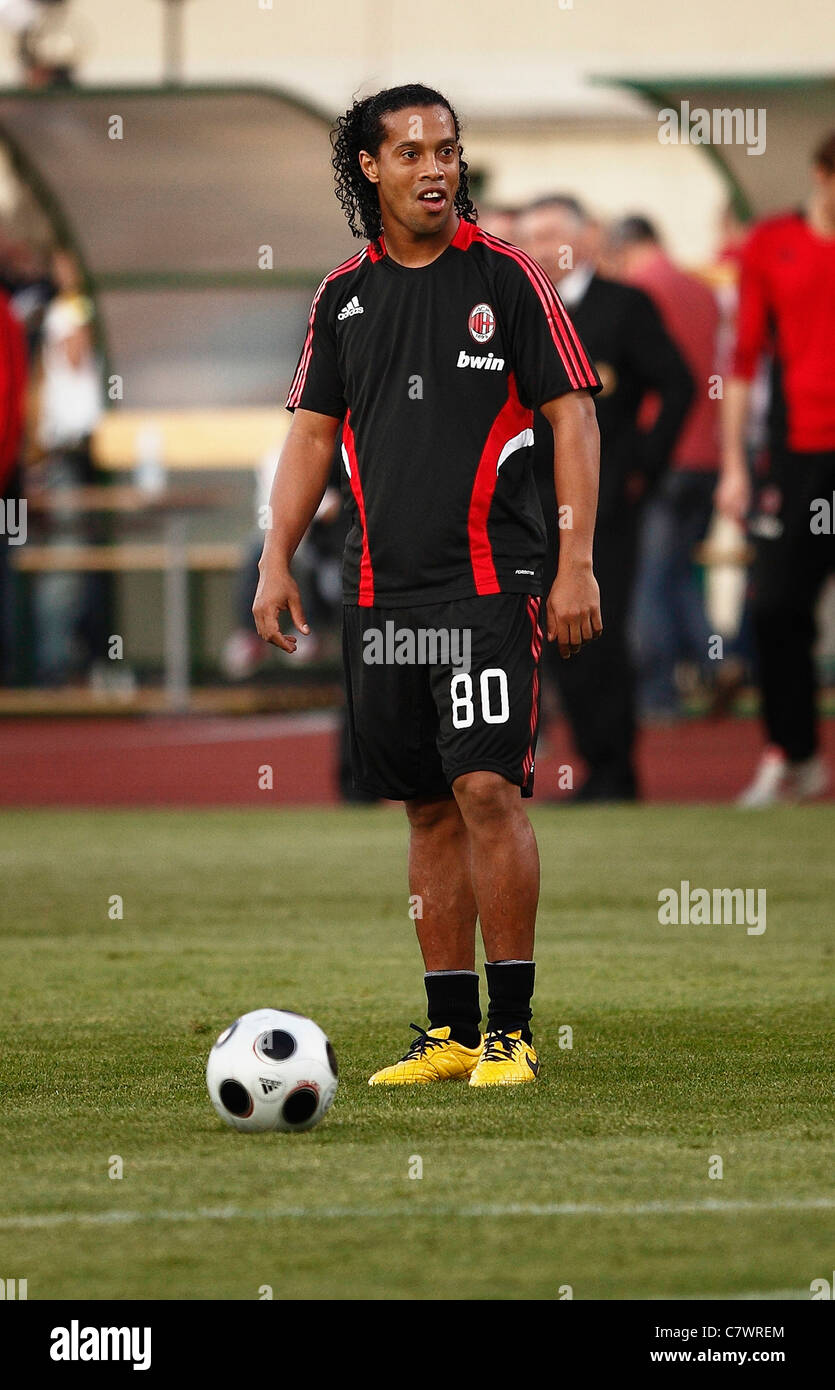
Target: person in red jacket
787	307
12	391
12	410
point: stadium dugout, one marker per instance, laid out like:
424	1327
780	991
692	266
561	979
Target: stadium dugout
201	237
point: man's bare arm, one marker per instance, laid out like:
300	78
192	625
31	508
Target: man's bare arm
299	485
733	494
573	604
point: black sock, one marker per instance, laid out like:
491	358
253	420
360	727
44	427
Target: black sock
510	986
452	1001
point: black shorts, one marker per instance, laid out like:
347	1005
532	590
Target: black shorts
441	689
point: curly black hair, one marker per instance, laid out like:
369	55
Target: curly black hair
362	128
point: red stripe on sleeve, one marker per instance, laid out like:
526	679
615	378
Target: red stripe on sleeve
578	368
297	387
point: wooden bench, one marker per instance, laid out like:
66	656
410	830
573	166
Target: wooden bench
189	439
171	441
125	558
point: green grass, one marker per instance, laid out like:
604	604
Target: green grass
687	1042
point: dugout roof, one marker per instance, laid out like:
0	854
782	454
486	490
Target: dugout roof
202	179
800	110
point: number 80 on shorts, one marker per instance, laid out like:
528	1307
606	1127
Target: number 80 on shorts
492	691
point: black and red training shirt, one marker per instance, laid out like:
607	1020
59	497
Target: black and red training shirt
435	372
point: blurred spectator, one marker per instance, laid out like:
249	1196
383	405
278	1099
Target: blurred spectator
670	623
633	355
19	15
47	45
12	409
723	278
25	277
597	241
317	569
726	578
69	608
499	221
787	304
243	652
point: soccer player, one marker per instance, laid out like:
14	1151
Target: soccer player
431	348
787	303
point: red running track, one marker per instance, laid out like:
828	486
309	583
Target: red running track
210	761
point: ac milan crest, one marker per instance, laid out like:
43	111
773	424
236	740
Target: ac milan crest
482	323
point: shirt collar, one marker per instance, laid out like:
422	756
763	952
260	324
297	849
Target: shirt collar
572	287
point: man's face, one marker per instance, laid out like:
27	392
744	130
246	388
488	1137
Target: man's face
555	238
417	169
624	259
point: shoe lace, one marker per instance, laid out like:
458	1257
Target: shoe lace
422	1044
499	1046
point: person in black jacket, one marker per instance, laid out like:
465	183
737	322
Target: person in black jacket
634	356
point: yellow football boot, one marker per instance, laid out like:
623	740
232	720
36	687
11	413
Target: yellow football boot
506	1060
433	1056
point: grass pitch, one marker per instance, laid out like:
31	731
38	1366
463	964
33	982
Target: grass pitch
689	1042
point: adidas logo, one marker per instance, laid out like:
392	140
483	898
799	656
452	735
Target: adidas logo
482	364
268	1084
352	307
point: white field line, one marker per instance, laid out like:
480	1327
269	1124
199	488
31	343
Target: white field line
777	1295
710	1206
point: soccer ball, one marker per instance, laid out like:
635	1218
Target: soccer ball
272	1070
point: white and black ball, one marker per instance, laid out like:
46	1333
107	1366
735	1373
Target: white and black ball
272	1070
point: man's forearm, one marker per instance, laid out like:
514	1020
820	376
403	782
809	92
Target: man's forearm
298	487
573	604
576	480
734	419
733	495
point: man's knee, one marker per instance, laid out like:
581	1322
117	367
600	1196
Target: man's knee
433	814
485	797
